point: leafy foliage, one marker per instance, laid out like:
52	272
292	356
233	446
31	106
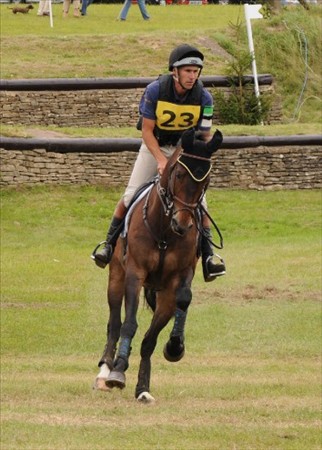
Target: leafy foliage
241	105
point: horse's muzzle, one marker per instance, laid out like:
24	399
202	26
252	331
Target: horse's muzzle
181	227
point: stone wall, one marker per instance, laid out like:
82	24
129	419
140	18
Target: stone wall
262	168
90	108
93	108
289	167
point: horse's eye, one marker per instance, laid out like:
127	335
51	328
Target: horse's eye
179	175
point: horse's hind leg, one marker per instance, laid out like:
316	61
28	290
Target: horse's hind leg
115	296
106	362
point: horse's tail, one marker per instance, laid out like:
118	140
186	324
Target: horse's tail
150	297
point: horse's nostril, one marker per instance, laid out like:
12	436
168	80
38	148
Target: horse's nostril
179	228
176	228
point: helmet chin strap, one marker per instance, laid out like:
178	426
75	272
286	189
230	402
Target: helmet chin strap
176	77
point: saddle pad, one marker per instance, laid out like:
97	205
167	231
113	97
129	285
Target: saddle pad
143	194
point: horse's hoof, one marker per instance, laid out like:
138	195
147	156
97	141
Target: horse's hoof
116	379
100	385
172	356
146	397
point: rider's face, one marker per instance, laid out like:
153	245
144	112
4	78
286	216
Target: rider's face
187	76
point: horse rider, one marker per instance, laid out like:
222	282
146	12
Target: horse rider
170	105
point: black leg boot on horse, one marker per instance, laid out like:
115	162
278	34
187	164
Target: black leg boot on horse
211	270
104	256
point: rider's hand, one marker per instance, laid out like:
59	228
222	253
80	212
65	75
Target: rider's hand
161	165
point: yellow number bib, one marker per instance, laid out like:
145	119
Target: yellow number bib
174	117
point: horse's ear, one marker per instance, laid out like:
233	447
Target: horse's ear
214	144
187	139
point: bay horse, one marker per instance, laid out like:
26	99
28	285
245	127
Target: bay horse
159	253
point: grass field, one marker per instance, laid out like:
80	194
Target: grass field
251	375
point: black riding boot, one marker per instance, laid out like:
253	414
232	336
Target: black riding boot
103	257
210	269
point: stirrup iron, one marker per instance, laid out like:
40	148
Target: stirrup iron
96	248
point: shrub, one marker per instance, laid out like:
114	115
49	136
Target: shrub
241	106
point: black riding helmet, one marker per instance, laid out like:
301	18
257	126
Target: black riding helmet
185	55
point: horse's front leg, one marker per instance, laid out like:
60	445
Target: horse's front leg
174	349
115	294
116	377
164	309
161	317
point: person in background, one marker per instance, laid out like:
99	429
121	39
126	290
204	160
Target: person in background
180	96
85	5
127	5
66	6
43	8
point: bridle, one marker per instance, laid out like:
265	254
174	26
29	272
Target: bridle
168	198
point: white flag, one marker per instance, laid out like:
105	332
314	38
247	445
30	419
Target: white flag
252	11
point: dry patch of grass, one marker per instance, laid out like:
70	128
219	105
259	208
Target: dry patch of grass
252	293
237	398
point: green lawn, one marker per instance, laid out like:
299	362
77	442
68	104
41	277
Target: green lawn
251	375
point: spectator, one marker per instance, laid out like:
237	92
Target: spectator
66	6
85	5
43	9
126	6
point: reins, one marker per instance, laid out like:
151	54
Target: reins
167	209
162	243
221	245
202	208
